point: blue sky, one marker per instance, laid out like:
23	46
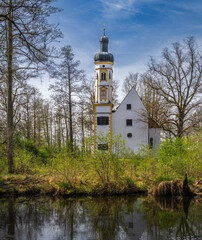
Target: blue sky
136	29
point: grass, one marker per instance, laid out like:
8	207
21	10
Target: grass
105	173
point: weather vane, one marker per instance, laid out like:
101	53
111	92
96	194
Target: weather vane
104	28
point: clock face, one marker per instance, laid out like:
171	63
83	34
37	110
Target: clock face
103	94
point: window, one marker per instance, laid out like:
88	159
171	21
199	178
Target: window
103	146
110	76
128	106
103	76
129	122
129	135
103	65
151	143
102	120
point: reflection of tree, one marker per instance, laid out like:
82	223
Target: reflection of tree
99	218
171	215
105	217
11	220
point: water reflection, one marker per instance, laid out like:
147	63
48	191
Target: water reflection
113	218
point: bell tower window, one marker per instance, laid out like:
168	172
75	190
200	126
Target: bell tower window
103	76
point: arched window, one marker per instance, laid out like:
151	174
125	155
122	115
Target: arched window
103	76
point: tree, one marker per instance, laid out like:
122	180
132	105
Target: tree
25	36
132	80
177	79
69	77
115	93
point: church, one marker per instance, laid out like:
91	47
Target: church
127	119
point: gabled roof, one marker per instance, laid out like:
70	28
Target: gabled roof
132	89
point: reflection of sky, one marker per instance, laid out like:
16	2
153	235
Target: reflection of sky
136	29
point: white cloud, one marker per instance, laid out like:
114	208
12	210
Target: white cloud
111	9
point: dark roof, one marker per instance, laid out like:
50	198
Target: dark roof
104	55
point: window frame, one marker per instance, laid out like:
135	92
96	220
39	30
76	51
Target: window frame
129	122
128	106
104	121
129	135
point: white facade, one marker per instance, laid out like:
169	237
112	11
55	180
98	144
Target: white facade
128	119
135	131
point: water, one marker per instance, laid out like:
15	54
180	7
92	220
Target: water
106	218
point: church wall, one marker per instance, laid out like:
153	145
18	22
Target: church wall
139	128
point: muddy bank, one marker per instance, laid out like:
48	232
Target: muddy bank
17	185
33	186
177	188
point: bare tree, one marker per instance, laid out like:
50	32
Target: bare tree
177	79
115	99
132	80
69	78
25	34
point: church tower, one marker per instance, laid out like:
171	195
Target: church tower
103	95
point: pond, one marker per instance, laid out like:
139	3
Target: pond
101	218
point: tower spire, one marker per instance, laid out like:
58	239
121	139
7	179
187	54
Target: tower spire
104	28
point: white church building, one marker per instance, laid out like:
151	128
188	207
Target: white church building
127	119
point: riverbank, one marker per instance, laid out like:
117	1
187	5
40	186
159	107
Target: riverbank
20	185
36	185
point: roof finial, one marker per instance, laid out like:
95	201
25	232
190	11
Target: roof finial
104	28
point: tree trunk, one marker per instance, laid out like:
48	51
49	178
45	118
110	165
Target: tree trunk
70	112
180	126
66	127
82	130
10	142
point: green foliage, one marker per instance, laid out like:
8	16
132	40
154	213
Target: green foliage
3	159
111	172
162	178
130	182
174	158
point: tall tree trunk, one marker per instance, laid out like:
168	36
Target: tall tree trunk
59	129
180	126
70	111
10	142
28	121
66	127
82	130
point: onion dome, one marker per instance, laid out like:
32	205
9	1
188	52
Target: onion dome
104	55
